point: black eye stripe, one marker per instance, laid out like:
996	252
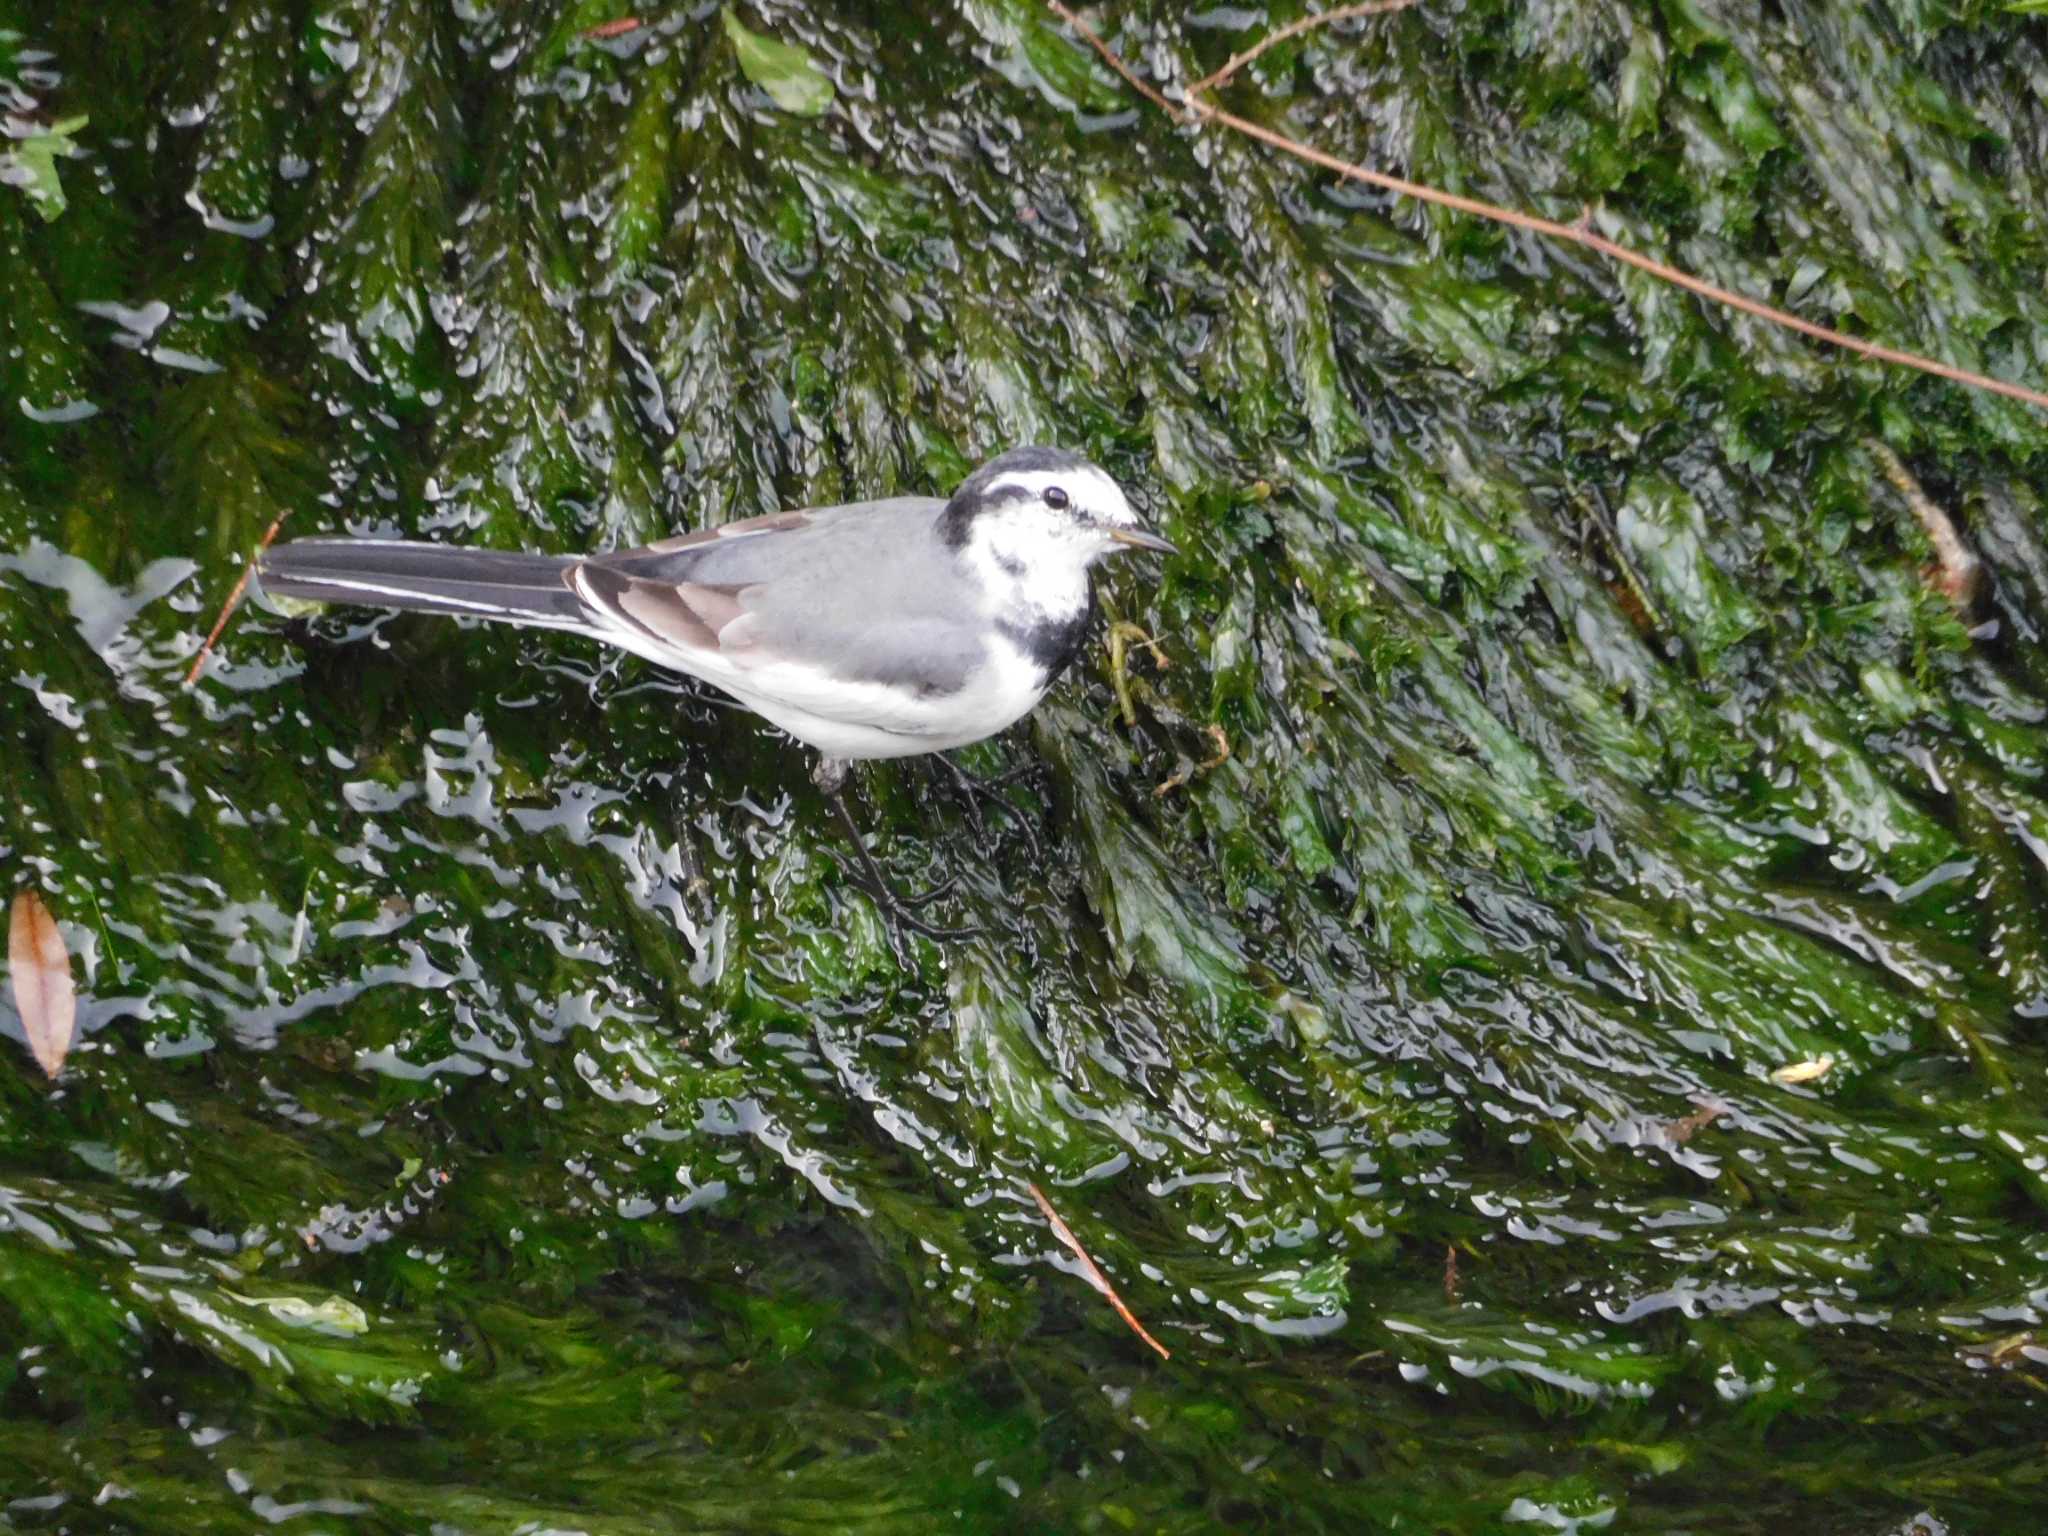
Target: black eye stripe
1056	498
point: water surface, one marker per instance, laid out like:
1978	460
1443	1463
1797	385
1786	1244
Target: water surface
497	1110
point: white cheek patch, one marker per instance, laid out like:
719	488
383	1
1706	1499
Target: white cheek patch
1028	558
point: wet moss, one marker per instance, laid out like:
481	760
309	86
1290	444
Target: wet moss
497	1105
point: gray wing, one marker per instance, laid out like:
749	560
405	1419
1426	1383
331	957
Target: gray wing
866	593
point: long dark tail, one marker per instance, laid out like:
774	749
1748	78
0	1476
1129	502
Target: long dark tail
427	578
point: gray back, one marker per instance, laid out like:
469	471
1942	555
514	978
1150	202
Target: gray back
814	589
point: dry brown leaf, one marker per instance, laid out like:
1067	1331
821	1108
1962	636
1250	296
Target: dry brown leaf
1958	574
40	968
2003	1352
1704	1114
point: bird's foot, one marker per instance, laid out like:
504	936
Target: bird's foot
974	788
899	912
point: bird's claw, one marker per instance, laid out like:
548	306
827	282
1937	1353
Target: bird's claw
899	918
974	789
912	903
897	908
899	913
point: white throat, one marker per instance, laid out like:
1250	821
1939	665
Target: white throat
1025	575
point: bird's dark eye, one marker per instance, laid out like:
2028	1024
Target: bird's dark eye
1056	498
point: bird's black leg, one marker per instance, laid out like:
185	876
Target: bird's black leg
897	911
975	789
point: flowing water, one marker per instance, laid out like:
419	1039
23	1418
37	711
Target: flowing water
496	1110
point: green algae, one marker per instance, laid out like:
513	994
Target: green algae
496	1109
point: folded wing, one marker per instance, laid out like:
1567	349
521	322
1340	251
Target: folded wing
796	610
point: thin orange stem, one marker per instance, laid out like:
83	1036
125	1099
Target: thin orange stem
1115	62
1294	29
234	599
1580	233
1095	1276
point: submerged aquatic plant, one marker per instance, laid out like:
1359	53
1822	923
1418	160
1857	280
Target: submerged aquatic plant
494	1107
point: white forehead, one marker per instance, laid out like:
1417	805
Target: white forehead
1090	489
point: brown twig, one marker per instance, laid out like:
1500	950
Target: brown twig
1115	62
619	28
1294	29
1579	233
235	597
1188	770
1095	1276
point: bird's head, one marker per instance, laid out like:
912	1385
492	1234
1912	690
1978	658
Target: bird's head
1043	509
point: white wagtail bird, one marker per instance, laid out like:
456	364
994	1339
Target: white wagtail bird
869	630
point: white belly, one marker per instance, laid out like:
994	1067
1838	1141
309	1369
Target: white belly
864	720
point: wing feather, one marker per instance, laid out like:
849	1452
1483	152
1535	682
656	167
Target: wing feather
796	616
689	618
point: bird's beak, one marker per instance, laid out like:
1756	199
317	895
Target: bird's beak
1139	538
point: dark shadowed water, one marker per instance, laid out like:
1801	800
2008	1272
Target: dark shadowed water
498	1111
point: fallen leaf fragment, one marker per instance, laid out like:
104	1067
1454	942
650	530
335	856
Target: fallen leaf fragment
1804	1071
28	159
1958	574
2003	1354
40	968
1683	1129
791	78
1095	1276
